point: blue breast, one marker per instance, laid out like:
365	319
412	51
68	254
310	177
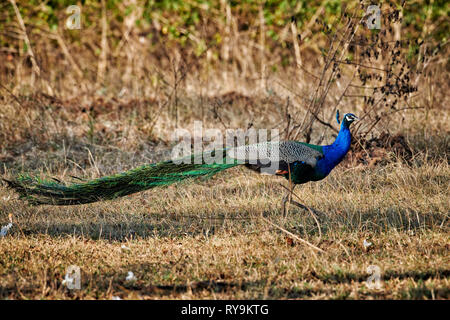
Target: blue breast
334	153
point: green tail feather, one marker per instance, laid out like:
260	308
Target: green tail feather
118	185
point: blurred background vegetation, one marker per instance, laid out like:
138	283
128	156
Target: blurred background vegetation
151	66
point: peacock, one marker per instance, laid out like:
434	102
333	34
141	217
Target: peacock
298	162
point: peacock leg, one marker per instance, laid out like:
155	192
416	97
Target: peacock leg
287	199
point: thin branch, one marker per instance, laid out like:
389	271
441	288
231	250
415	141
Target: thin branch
291	234
26	39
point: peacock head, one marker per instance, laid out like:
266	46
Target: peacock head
348	119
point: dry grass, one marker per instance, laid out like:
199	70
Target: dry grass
207	240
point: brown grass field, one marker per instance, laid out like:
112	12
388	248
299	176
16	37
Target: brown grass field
226	237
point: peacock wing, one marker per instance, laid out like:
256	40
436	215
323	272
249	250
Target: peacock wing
276	157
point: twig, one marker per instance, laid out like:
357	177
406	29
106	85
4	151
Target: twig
13	95
262	41
292	235
66	52
26	39
104	45
298	58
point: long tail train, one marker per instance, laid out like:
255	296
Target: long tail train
114	186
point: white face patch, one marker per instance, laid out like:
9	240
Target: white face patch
350	118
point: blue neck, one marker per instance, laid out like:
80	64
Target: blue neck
334	153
